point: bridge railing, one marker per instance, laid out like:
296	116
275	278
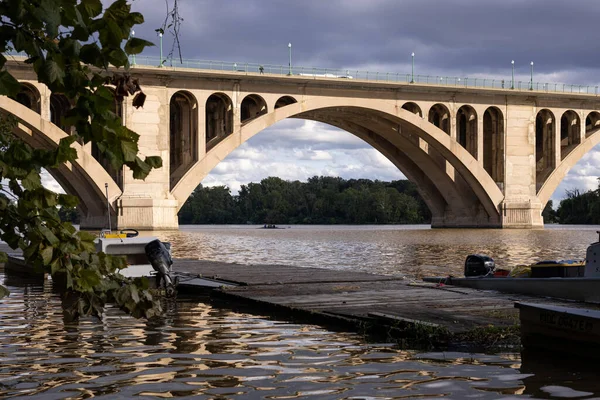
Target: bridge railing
346	74
342	73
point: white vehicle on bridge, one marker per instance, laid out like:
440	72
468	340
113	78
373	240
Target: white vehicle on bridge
327	76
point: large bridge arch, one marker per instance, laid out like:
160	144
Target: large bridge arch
439	191
482	185
86	178
560	172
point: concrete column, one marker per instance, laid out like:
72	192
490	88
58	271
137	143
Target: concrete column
582	118
452	125
556	143
520	208
480	139
237	105
44	101
148	204
201	127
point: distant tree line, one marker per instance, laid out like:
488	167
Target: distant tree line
576	208
320	200
329	200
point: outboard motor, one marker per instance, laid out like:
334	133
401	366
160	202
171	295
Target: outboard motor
161	261
479	265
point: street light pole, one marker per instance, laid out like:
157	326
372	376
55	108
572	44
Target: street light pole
290	65
160	35
531	82
512	85
133	55
412	75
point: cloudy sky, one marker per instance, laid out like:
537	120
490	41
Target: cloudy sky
464	38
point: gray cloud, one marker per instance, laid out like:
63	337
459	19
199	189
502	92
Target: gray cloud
456	36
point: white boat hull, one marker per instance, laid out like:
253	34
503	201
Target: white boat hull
577	289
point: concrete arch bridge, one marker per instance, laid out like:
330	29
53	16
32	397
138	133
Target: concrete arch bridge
488	158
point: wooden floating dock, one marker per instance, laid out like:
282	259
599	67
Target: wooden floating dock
360	299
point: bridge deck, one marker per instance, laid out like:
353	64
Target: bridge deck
359	297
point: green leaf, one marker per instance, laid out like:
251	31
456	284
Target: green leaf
117	58
3	292
154	161
49	12
140	169
67	200
31	250
65	152
89	277
129	150
3	202
90	53
22	152
54	73
92	8
49	198
136	45
86	236
55	266
46	255
70	47
50	237
136	18
3	257
9	86
32	180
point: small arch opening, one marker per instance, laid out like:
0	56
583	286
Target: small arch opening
466	121
413	108
592	123
183	134
116	174
440	117
570	132
284	101
219	119
59	106
30	97
493	144
253	106
545	151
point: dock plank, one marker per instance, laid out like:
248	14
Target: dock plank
362	296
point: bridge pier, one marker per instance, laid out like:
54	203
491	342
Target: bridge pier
147	213
522	215
138	213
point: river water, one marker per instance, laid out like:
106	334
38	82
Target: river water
205	350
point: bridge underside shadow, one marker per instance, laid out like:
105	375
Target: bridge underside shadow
452	202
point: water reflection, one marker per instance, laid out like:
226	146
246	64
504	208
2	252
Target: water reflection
206	352
412	251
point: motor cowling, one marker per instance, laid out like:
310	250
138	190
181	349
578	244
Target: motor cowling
161	261
479	265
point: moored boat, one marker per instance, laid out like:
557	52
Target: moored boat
577	280
145	256
570	330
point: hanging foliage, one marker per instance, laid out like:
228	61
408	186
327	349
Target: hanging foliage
74	48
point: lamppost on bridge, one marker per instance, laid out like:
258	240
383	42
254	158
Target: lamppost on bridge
131	35
290	64
512	82
531	81
412	75
160	35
